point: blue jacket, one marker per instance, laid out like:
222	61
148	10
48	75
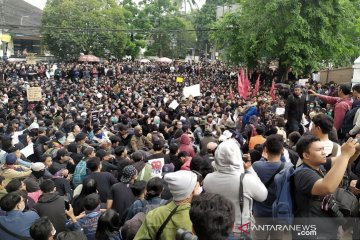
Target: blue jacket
250	112
88	224
17	222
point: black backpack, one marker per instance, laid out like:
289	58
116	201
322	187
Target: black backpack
348	122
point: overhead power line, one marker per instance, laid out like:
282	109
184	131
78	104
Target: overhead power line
75	29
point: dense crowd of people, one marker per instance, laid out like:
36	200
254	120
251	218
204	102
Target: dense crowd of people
106	155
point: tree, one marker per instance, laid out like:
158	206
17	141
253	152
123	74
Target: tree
204	20
71	27
298	33
170	34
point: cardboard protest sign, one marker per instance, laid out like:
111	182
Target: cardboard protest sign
174	104
179	79
28	150
193	90
157	165
302	82
280	111
34	94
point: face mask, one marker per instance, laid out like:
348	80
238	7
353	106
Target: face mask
114	119
311	106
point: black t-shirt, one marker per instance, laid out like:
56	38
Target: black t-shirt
122	197
309	206
104	181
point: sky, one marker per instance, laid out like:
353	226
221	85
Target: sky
37	3
41	3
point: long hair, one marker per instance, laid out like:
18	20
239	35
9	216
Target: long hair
108	223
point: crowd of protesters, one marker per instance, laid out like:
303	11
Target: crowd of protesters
83	163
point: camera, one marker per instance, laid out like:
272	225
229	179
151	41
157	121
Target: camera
182	234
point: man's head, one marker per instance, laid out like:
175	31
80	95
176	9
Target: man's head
129	174
80	138
182	184
103	155
311	150
322	124
138	188
356	91
63	155
138	131
261	104
344	90
297	90
91	202
212	216
93	164
274	144
12	201
47	186
158	145
89	152
42	229
120	151
15	185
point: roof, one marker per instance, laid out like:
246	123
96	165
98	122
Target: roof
14	11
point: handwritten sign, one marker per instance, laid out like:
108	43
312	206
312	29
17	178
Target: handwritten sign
157	165
174	104
179	79
280	111
302	82
193	90
34	94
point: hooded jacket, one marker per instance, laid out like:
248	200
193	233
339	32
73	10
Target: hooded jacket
226	181
52	205
185	145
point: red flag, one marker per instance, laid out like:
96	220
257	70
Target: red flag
272	91
246	89
231	95
257	86
241	82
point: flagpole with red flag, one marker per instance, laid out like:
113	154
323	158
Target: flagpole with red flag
257	86
272	91
246	90
241	82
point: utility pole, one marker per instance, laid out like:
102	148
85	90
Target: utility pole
2	30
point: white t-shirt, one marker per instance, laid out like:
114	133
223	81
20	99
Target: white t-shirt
328	147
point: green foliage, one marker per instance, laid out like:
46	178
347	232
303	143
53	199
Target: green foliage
204	20
71	27
298	33
169	35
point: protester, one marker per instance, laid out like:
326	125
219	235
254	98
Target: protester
89	108
225	181
312	183
15	223
183	186
42	229
120	196
342	103
296	106
213	217
52	205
